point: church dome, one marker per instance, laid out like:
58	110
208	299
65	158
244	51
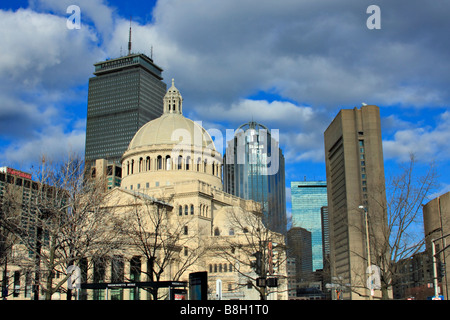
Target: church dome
172	127
171	149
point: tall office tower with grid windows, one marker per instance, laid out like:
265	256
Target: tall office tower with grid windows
124	94
356	190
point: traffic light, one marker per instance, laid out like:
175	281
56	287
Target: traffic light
257	264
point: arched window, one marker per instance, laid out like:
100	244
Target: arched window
132	166
186	212
128	167
198	164
141	164
188	160
204	168
231	232
180	162
147	164
213	169
216	232
180	210
168	163
159	163
192	209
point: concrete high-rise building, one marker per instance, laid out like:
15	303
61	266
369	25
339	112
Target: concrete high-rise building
254	170
356	189
124	94
308	197
436	220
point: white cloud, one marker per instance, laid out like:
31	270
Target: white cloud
426	143
317	54
41	63
53	143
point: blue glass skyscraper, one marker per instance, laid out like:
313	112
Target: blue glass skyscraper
254	169
308	197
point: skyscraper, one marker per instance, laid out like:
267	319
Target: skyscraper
356	187
308	197
254	169
299	248
124	94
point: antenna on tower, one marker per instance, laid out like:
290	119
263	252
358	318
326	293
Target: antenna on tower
151	52
129	40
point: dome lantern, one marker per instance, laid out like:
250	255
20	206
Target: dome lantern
173	102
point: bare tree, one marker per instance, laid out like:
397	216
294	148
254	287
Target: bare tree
256	252
398	234
165	239
62	223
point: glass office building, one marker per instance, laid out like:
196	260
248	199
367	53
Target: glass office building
125	94
308	198
254	169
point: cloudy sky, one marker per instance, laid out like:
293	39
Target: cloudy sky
289	64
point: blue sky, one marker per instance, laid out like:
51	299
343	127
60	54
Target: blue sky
289	64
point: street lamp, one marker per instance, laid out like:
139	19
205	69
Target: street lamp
369	263
435	254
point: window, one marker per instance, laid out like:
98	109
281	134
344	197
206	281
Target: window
186	230
188	159
186	210
231	232
192	209
159	163
216	232
168	163
186	251
180	162
180	210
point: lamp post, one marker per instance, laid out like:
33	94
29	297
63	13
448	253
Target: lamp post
435	254
369	263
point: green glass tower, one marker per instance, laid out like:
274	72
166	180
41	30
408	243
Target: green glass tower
124	94
308	198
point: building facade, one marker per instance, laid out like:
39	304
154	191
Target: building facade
356	189
171	191
436	220
254	169
124	94
300	252
308	197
